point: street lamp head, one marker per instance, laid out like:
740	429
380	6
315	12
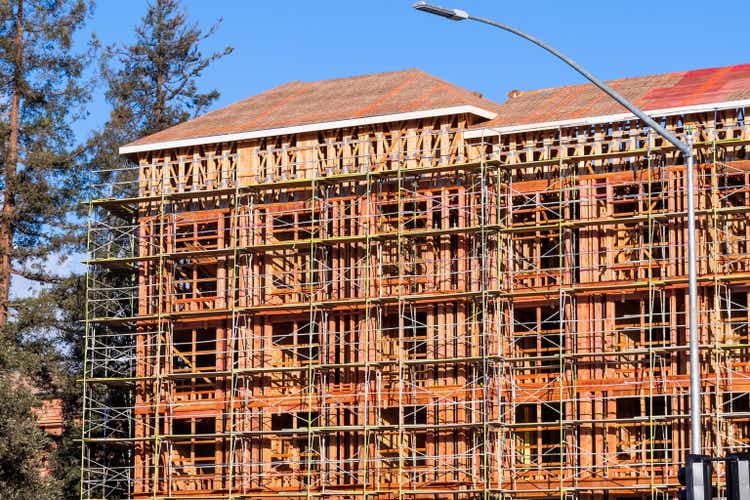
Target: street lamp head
452	14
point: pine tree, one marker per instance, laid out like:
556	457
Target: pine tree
153	83
41	93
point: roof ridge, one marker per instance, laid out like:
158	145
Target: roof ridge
393	91
241	101
281	102
366	75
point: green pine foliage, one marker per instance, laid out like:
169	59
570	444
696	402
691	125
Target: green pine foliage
42	92
24	446
152	84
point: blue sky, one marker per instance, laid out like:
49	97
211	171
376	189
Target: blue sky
279	41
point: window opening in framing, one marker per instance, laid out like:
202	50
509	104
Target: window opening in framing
193	455
538	435
194	351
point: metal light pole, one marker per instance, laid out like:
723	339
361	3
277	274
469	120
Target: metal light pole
686	148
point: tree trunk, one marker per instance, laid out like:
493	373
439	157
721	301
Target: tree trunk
158	110
11	164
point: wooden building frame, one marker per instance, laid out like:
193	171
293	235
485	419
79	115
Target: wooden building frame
407	310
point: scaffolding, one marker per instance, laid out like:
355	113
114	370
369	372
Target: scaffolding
420	310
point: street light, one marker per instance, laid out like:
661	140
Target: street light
686	148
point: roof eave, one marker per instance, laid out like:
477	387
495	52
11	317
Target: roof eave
312	127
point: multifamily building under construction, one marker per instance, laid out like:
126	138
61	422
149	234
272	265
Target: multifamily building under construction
389	287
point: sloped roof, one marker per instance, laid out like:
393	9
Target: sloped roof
303	103
650	93
380	97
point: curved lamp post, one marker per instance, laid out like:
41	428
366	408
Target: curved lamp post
686	148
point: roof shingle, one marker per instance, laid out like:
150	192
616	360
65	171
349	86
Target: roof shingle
301	103
304	103
653	92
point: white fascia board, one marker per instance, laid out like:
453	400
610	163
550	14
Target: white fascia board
312	127
595	120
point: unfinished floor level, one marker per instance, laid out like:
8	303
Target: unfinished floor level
388	287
